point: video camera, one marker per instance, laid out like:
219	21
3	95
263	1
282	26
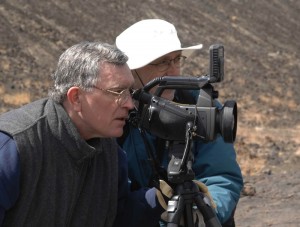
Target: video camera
168	120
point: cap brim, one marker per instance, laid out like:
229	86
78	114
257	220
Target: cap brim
135	63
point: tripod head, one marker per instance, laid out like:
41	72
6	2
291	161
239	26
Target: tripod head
180	170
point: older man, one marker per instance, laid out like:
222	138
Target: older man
59	163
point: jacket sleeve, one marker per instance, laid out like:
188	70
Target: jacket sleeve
135	208
9	174
216	166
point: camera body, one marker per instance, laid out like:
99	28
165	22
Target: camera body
168	120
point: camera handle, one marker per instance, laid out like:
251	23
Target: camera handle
186	192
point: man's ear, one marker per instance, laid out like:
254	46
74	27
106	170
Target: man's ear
74	98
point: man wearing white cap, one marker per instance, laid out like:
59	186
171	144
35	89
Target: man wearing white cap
154	50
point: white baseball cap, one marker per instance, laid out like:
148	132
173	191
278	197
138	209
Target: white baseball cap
147	40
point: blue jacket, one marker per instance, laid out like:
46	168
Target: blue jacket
139	208
215	165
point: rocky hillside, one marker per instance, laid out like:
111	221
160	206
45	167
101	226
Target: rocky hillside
261	40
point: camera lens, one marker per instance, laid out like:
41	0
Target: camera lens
228	121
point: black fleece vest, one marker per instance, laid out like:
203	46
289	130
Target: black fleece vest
65	181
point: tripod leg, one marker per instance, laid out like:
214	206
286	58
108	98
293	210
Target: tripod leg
180	211
175	211
208	213
188	217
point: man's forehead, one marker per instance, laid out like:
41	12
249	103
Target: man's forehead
116	76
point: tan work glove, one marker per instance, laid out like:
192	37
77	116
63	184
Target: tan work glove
164	193
203	188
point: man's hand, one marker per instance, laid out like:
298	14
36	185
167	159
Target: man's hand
164	193
204	190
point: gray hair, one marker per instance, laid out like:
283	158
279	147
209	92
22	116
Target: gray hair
80	65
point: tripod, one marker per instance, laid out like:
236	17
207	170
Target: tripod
186	192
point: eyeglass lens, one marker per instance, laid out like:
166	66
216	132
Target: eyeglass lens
124	96
178	62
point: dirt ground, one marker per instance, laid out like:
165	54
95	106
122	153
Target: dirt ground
261	40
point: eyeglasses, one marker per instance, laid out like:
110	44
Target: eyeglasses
165	64
122	96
